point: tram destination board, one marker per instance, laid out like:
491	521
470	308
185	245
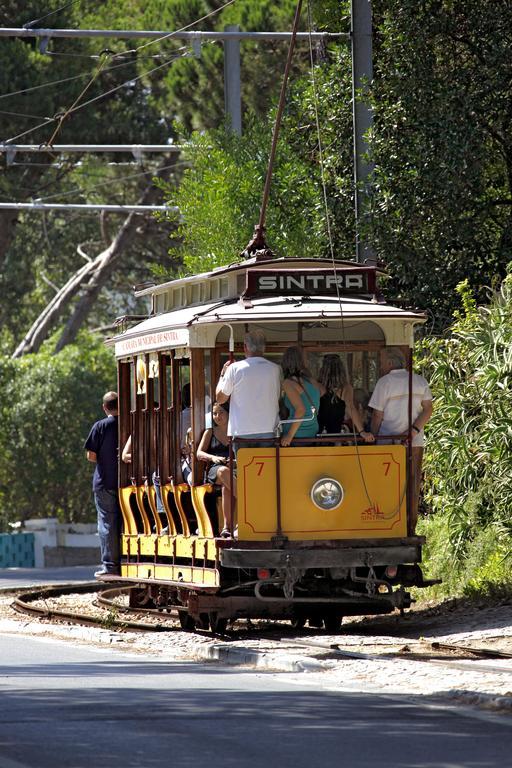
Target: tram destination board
356	281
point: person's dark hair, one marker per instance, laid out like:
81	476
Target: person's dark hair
110	401
293	365
224	406
333	374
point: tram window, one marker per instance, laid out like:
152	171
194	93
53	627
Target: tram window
154	373
361	366
156	395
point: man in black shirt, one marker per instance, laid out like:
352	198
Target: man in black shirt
101	448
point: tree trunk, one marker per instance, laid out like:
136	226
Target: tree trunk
94	274
105	267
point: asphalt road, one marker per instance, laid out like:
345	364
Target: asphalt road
64	706
26	577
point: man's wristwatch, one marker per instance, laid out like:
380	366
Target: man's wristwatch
416	429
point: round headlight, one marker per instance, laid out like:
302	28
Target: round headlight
327	493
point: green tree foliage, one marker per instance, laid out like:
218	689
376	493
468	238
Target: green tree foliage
469	460
442	145
47	405
39	252
194	86
220	194
147	85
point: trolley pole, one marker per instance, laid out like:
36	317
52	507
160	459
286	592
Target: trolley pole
362	76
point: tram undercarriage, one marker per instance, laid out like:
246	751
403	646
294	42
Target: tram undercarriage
319	586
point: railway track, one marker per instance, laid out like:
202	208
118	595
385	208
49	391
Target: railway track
112	614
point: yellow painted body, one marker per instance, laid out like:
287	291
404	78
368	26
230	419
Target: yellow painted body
208	577
373	479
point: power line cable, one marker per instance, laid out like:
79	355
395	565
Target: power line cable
111	182
51	13
103	95
78	99
23	91
115	56
23	114
183	29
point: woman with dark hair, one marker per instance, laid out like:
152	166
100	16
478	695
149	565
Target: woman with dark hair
337	401
214	449
301	396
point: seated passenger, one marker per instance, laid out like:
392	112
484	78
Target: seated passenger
337	401
301	396
390	403
214	448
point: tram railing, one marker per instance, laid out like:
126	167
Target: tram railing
325	439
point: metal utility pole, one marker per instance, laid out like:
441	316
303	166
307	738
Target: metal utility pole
126	34
362	76
232	85
88	207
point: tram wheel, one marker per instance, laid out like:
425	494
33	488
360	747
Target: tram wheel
140	598
217	625
186	621
332	622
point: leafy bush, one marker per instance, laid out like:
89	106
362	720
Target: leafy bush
468	467
47	405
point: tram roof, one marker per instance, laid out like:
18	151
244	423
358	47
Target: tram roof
237	266
181	327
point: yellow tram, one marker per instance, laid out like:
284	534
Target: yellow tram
296	554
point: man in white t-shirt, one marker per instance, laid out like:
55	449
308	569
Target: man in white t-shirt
390	403
253	387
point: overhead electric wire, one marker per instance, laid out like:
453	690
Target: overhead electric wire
23	91
22	114
74	107
118	56
115	55
77	100
102	95
51	13
183	29
111	182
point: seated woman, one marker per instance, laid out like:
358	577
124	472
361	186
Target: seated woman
337	401
301	396
214	448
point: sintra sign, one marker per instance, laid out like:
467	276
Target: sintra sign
311	282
